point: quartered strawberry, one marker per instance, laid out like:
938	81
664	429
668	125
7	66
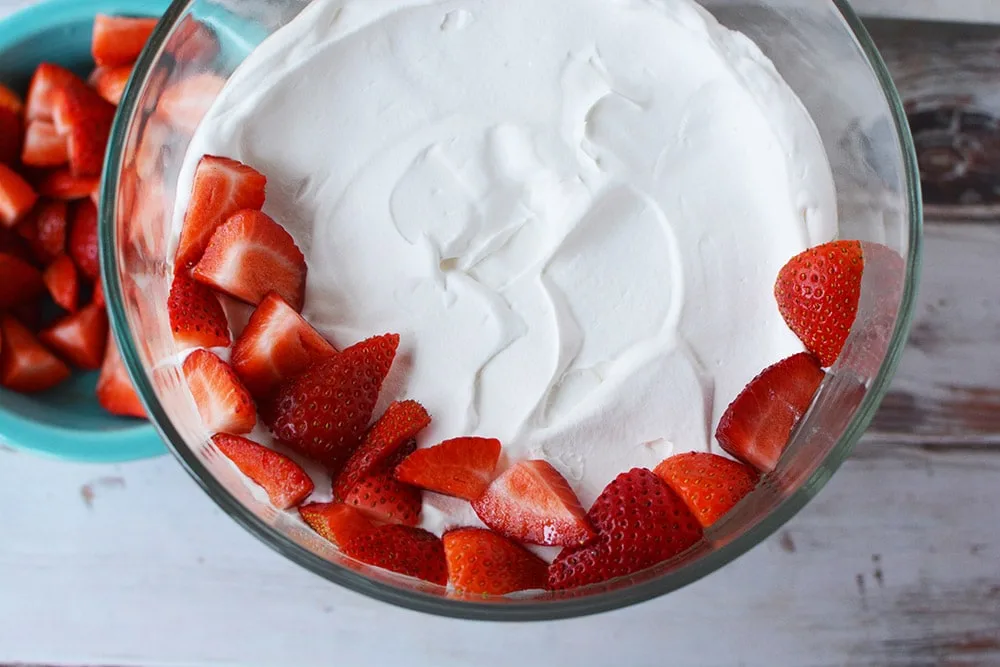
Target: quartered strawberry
45	230
13	242
402	549
223	402
20	282
640	521
531	502
481	562
193	42
82	244
400	423
251	255
98	296
184	103
461	467
110	82
818	293
43	146
118	40
284	480
85	119
63	185
336	522
25	365
48	79
276	345
80	338
381	497
17	197
709	484
115	392
63	283
11	125
222	187
196	316
757	425
325	412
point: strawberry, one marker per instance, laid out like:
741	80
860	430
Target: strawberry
43	146
156	136
709	484
20	282
11	125
640	522
80	338
118	40
337	522
193	42
402	549
818	293
483	563
400	423
25	365
324	412
98	296
196	316
284	480
83	239
184	103
223	402
222	187
61	184
756	426
533	503
45	230
384	499
461	467
276	345
48	79
17	197
85	119
115	391
63	283
251	255
29	314
14	242
110	82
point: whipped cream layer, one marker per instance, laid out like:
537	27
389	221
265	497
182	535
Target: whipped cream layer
573	211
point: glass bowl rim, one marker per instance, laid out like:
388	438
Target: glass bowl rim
514	610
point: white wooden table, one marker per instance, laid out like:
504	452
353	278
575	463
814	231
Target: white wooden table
896	564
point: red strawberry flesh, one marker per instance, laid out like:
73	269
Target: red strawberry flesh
284	480
80	337
20	282
336	522
223	402
483	563
709	484
83	244
44	146
196	316
25	365
115	392
63	283
85	119
461	467
118	40
17	197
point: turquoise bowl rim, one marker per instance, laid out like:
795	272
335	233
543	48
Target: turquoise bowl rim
16	431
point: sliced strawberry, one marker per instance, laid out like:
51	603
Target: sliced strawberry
156	135
13	242
284	480
193	42
196	316
461	467
98	296
43	146
11	125
756	426
48	79
402	549
223	402
25	365
110	82
222	187
483	563
276	345
20	282
61	184
115	392
251	255
184	103
17	197
83	246
85	118
533	503
709	484
118	40
63	283
384	499
325	412
80	338
45	230
400	423
336	522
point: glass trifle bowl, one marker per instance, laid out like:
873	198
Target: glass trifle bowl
821	50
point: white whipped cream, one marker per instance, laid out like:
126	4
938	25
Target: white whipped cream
573	211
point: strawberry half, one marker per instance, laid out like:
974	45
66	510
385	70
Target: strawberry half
402	549
336	522
44	146
83	244
709	484
80	338
251	255
756	426
110	82
400	423
20	282
640	521
276	345
284	480
461	467
185	103
63	283
118	40
17	197
115	392
45	230
48	79
533	503
98	295
85	119
325	412
61	184
483	563
11	125
25	365
223	402
222	187
196	316
818	293
384	499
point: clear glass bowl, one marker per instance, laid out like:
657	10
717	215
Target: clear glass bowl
825	54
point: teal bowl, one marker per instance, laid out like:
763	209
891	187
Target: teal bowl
66	422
